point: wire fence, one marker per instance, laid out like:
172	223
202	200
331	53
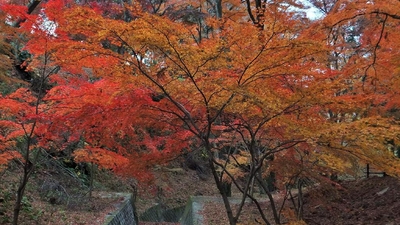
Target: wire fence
372	172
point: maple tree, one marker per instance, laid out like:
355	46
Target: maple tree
202	86
282	94
364	81
22	115
22	112
28	115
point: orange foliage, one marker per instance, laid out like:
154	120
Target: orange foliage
138	92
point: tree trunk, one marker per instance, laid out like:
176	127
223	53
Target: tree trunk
220	186
218	8
300	202
91	180
20	194
28	169
264	185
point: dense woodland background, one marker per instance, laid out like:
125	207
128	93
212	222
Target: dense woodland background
250	94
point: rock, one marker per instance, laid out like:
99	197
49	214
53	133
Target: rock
383	191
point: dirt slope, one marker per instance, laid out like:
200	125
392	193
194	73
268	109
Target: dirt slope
374	200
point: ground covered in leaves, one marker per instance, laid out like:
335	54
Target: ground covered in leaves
374	200
57	195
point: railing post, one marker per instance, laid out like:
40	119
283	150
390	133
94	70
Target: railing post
367	170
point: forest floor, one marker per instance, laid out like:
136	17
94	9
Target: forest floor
375	200
56	195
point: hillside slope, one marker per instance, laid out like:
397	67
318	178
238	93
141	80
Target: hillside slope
367	201
375	200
